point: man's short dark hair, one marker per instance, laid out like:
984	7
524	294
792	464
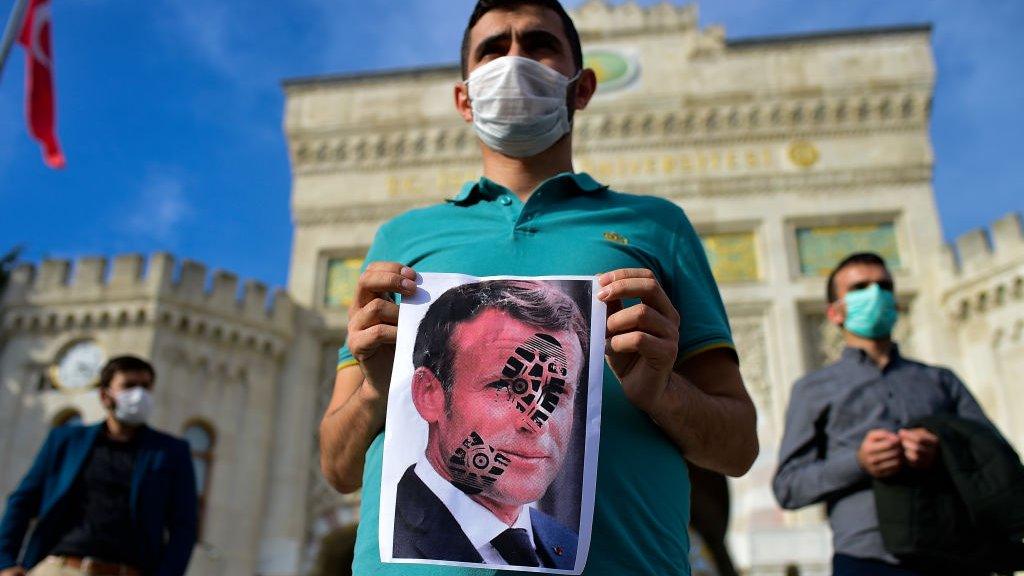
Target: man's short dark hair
869	258
124	364
532	303
485	6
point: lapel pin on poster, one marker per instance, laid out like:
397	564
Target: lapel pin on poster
493	423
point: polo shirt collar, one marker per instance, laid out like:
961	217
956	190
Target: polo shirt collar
484	188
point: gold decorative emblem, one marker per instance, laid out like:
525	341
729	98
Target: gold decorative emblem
804	154
616	237
615	69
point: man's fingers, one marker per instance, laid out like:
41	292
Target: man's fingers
913	455
880	433
887	469
910	444
377	311
888	461
883	456
642	318
646	289
881	437
640	343
883	444
376	283
394	267
368	340
623	273
920	434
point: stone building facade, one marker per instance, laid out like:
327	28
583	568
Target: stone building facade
786	152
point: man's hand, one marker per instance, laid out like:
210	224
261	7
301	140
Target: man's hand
700	403
642	340
13	571
358	404
373	319
880	453
920	447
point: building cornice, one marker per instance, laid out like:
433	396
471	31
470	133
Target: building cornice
827	36
358	148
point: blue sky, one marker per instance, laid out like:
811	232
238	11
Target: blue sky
170	111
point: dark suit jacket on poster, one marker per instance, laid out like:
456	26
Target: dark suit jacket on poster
163	504
424	528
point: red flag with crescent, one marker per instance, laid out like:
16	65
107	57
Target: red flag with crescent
40	95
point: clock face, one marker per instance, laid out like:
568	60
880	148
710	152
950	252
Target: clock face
79	367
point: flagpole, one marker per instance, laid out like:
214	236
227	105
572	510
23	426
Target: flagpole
11	31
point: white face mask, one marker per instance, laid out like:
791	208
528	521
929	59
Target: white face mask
133	406
519	105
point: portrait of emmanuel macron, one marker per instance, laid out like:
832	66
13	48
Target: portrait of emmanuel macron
497	367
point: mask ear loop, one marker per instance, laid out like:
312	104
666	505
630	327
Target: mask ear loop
570	110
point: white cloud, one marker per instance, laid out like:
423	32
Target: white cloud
159	209
201	28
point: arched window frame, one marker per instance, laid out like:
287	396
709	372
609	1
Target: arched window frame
206	457
65	416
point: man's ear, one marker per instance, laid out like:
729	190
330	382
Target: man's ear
428	395
462	103
106	398
836	312
586	86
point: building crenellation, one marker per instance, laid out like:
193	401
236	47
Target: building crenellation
128	290
985	269
981	249
597	19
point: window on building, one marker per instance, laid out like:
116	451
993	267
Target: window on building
342	276
732	256
822	247
67	416
201	438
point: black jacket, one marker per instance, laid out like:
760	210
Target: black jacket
964	514
424	528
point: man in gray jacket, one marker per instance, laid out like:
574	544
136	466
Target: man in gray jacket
848	422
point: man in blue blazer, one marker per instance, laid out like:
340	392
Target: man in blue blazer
116	497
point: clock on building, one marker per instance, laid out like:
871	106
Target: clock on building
78	367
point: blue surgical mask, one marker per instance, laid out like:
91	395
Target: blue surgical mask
871	312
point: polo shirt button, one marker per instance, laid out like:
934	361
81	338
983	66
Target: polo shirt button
505	200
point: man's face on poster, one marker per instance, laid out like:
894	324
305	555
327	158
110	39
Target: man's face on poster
509	416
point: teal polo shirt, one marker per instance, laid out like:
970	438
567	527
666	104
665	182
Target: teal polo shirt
572	225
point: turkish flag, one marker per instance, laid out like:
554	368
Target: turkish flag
39	89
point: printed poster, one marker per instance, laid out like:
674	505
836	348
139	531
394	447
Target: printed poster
493	424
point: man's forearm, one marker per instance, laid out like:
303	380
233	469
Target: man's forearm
712	431
345	434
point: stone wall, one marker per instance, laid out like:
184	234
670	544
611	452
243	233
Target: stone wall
982	299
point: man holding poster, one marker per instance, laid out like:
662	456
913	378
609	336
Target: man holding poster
672	387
